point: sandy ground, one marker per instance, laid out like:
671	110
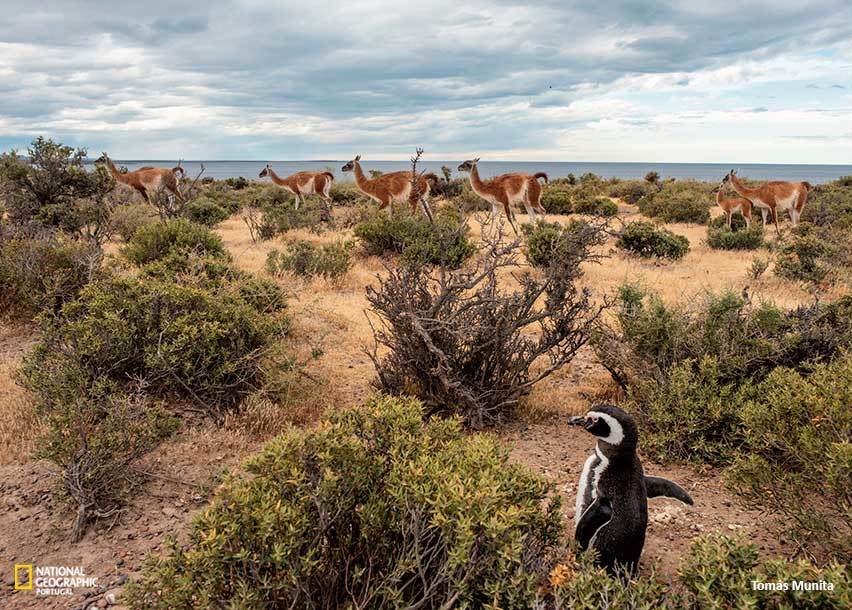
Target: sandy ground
329	319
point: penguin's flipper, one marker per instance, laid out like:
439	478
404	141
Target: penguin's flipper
658	486
596	515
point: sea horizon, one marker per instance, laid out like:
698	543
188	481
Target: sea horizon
249	169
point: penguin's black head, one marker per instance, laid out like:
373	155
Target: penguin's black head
610	425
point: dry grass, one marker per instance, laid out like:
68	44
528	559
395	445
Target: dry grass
19	426
330	317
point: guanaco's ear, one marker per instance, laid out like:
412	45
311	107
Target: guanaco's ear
357	157
476	160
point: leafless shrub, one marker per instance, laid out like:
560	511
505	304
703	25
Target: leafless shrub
464	342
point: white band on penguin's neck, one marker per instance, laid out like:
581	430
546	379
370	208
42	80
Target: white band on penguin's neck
616	432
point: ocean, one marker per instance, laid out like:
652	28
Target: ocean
712	172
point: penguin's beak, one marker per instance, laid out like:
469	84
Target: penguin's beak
577	420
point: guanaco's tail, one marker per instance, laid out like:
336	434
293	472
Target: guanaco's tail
808	185
541	175
330	176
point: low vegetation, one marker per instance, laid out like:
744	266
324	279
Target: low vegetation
331	260
713	384
549	243
418	240
678	201
737	237
465	344
807	257
377	508
648	240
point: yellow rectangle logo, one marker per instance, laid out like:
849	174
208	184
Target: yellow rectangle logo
26	583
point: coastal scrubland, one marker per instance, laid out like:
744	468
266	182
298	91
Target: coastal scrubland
226	401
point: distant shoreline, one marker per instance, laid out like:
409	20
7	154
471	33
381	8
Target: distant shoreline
814	173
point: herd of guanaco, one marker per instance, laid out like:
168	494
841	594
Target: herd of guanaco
504	192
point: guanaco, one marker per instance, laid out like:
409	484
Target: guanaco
733	205
773	196
302	184
507	190
146	180
392	187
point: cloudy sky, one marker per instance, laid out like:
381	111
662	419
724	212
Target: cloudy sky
613	80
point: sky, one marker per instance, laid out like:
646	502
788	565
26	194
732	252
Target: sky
623	80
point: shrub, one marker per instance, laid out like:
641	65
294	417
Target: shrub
238	183
548	242
845	181
678	201
374	509
646	240
43	272
346	194
128	219
157	241
806	258
597	206
648	337
631	191
694	416
829	205
798	463
416	239
205	211
303	258
719	571
464	344
738	237
557	199
95	433
758	267
181	340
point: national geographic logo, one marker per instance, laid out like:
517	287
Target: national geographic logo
52	580
23	577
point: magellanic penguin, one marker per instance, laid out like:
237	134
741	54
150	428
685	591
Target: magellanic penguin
612	498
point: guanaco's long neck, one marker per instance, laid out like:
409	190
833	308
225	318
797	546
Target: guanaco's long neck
741	188
476	182
114	170
719	197
275	177
360	179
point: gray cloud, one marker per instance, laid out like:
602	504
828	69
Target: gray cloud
69	66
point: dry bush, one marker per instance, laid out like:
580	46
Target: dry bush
464	343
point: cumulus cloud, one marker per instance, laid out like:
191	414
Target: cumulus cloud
546	79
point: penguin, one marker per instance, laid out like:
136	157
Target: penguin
611	514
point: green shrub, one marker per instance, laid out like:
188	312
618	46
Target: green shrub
678	201
157	241
128	219
550	242
692	417
758	267
303	258
845	181
646	240
95	432
238	183
798	462
346	194
205	346
738	237
596	206
416	512
718	574
807	258
40	273
829	205
631	191
416	239
557	199
205	211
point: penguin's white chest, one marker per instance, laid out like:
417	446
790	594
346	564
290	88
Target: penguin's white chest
587	490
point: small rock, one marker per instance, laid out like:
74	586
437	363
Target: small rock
111	597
